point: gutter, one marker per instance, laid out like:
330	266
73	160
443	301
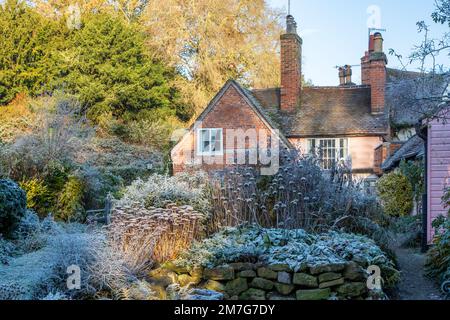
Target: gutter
422	132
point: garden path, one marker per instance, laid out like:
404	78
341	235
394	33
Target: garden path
414	285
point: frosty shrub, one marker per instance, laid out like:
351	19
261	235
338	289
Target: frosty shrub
295	247
300	195
139	290
31	234
7	249
61	135
38	269
153	236
124	160
12	205
55	296
183	189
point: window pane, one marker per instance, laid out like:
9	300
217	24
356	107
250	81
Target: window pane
216	140
204	143
213	141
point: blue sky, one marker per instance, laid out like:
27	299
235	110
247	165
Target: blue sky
335	32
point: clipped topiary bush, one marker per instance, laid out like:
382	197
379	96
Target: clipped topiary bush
396	194
13	205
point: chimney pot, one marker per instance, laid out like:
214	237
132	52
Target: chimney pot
371	43
348	74
341	76
377	42
291	25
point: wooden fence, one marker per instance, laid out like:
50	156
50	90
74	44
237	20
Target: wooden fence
102	216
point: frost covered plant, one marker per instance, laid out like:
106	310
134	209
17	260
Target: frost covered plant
12	205
31	233
44	250
183	189
300	195
157	235
55	296
296	248
139	290
7	249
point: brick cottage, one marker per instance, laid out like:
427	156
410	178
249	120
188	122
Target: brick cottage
348	122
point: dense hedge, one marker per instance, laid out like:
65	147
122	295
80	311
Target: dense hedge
13	205
396	194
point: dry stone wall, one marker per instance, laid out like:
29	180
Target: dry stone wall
256	281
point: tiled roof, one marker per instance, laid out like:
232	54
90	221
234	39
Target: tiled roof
412	148
346	110
326	111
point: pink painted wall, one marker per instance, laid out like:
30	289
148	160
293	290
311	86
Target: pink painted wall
438	170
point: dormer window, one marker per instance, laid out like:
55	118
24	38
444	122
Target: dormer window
209	142
330	151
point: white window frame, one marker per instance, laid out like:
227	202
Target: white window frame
337	143
200	152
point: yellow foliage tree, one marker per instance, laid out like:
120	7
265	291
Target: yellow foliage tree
211	41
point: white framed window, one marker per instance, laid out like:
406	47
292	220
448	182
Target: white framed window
209	142
329	151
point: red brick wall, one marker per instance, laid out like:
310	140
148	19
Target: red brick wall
291	71
378	85
365	69
383	152
230	112
373	73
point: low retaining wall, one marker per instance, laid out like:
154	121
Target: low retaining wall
255	281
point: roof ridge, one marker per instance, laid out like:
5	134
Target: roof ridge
356	86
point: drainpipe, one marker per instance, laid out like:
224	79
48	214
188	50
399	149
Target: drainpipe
422	132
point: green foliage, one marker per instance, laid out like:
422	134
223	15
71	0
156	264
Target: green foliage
28	59
70	200
396	194
414	171
446	199
13	205
110	71
438	263
39	197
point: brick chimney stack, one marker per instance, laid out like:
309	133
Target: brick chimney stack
345	76
341	76
373	72
291	67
